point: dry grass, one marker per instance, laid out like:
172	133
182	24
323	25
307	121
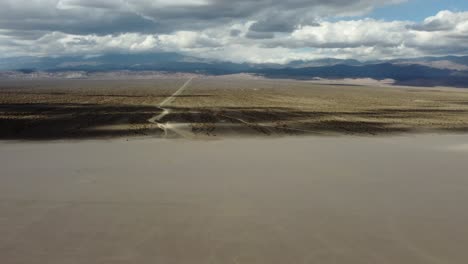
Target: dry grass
223	107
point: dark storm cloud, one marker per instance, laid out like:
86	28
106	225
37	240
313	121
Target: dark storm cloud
259	35
156	16
235	33
272	24
80	23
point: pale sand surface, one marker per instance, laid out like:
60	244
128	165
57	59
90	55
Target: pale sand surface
288	200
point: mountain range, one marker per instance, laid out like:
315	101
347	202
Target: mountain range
423	71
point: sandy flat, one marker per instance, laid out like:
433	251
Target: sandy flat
288	200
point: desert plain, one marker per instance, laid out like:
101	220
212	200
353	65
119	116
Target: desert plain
231	170
207	107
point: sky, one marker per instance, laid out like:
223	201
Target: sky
418	10
258	31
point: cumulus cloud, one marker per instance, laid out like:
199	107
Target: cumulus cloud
350	34
443	21
239	31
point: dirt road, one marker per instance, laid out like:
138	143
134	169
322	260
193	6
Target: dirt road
166	127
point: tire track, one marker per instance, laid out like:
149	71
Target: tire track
166	111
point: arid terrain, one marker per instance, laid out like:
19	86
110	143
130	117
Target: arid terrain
208	107
269	192
327	200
